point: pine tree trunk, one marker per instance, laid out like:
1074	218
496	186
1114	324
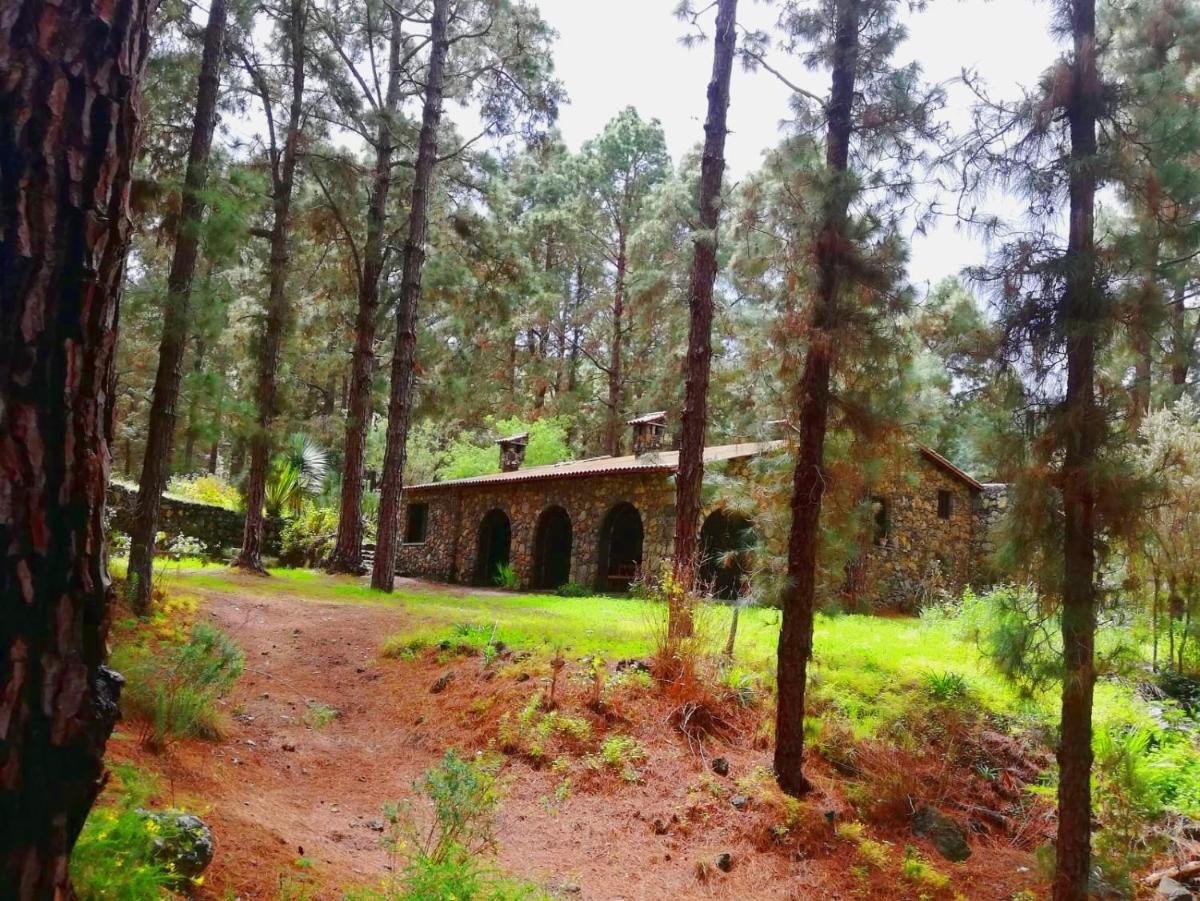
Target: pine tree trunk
700	305
347	551
612	435
156	463
68	133
283	175
189	446
1183	343
813	396
1081	428
383	574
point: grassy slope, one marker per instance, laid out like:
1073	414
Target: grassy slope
867	663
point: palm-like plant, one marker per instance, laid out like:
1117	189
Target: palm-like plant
298	472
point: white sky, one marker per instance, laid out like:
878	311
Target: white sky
616	53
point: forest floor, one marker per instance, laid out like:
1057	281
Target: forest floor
294	793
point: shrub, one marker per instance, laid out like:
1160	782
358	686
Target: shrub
573	590
206	489
946	687
115	855
307	539
919	871
318	716
442	849
621	753
173	687
506	577
1128	800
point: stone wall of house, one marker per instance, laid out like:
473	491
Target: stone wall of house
455	513
216	527
921	552
991	505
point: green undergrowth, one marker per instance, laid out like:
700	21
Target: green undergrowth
115	857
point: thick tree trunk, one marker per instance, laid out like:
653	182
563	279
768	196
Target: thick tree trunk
156	463
347	551
612	434
1081	427
700	305
283	174
813	395
383	574
68	133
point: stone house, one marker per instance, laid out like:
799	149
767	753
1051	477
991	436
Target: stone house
603	522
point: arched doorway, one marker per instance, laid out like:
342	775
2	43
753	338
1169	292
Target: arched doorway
726	544
495	544
552	549
620	552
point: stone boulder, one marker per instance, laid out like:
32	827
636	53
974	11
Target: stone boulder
943	833
183	840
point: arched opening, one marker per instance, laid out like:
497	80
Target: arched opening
726	545
552	549
495	543
620	557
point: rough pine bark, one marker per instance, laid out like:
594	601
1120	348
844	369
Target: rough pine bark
1082	428
813	396
347	551
283	177
160	431
700	306
69	78
383	573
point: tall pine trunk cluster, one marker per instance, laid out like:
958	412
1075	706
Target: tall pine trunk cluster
160	431
283	177
383	573
347	552
690	475
69	126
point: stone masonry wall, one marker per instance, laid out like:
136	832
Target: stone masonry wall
455	513
921	551
216	527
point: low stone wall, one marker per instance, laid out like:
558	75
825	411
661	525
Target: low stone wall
219	529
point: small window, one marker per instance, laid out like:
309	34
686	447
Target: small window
945	503
418	522
883	523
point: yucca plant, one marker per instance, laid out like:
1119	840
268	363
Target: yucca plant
296	473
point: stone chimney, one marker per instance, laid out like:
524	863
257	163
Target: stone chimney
649	433
512	452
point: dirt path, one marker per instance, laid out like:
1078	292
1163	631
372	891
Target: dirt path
276	789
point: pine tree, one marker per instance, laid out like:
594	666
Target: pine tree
176	314
1056	313
872	120
283	152
700	304
369	267
69	122
383	574
619	169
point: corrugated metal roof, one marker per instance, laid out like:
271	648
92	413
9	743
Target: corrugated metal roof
656	461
